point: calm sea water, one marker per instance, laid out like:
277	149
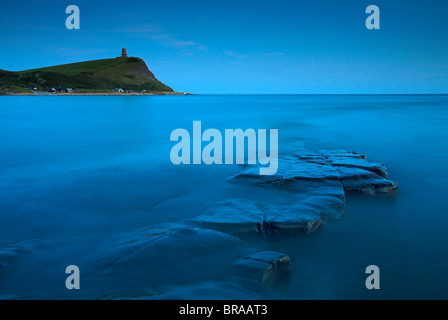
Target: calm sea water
74	171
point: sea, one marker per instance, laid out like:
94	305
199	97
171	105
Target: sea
76	171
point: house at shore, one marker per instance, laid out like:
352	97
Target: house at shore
56	90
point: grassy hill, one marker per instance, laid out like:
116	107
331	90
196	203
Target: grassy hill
89	76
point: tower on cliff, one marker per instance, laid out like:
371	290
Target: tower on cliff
123	53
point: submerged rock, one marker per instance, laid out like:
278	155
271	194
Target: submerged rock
241	215
201	259
267	267
169	246
232	216
297	217
318	182
169	260
10	253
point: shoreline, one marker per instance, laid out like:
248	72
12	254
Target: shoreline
46	94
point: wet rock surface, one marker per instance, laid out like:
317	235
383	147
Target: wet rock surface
267	267
232	216
314	170
241	215
311	188
170	245
318	180
153	255
203	258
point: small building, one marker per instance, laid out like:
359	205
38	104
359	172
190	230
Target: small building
124	53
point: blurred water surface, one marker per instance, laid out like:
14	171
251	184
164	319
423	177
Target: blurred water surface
74	171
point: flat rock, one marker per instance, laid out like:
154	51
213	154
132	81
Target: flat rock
339	169
297	217
348	162
267	267
232	216
170	260
242	215
319	181
365	181
170	246
340	153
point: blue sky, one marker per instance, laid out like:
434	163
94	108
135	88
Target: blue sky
215	46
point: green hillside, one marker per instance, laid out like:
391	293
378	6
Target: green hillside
89	76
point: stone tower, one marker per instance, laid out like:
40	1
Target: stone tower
123	53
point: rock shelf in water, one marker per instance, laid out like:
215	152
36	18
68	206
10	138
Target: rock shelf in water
318	182
312	187
202	257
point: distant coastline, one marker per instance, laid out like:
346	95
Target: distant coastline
49	94
107	77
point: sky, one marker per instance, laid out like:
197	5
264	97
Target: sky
242	46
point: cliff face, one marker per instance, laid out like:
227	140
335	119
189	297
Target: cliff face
96	75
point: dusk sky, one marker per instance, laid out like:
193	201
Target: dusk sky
243	46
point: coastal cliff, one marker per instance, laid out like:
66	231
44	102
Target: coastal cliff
121	74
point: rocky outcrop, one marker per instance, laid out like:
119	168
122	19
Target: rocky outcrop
310	188
316	170
172	258
167	245
203	258
88	76
242	215
267	267
318	181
